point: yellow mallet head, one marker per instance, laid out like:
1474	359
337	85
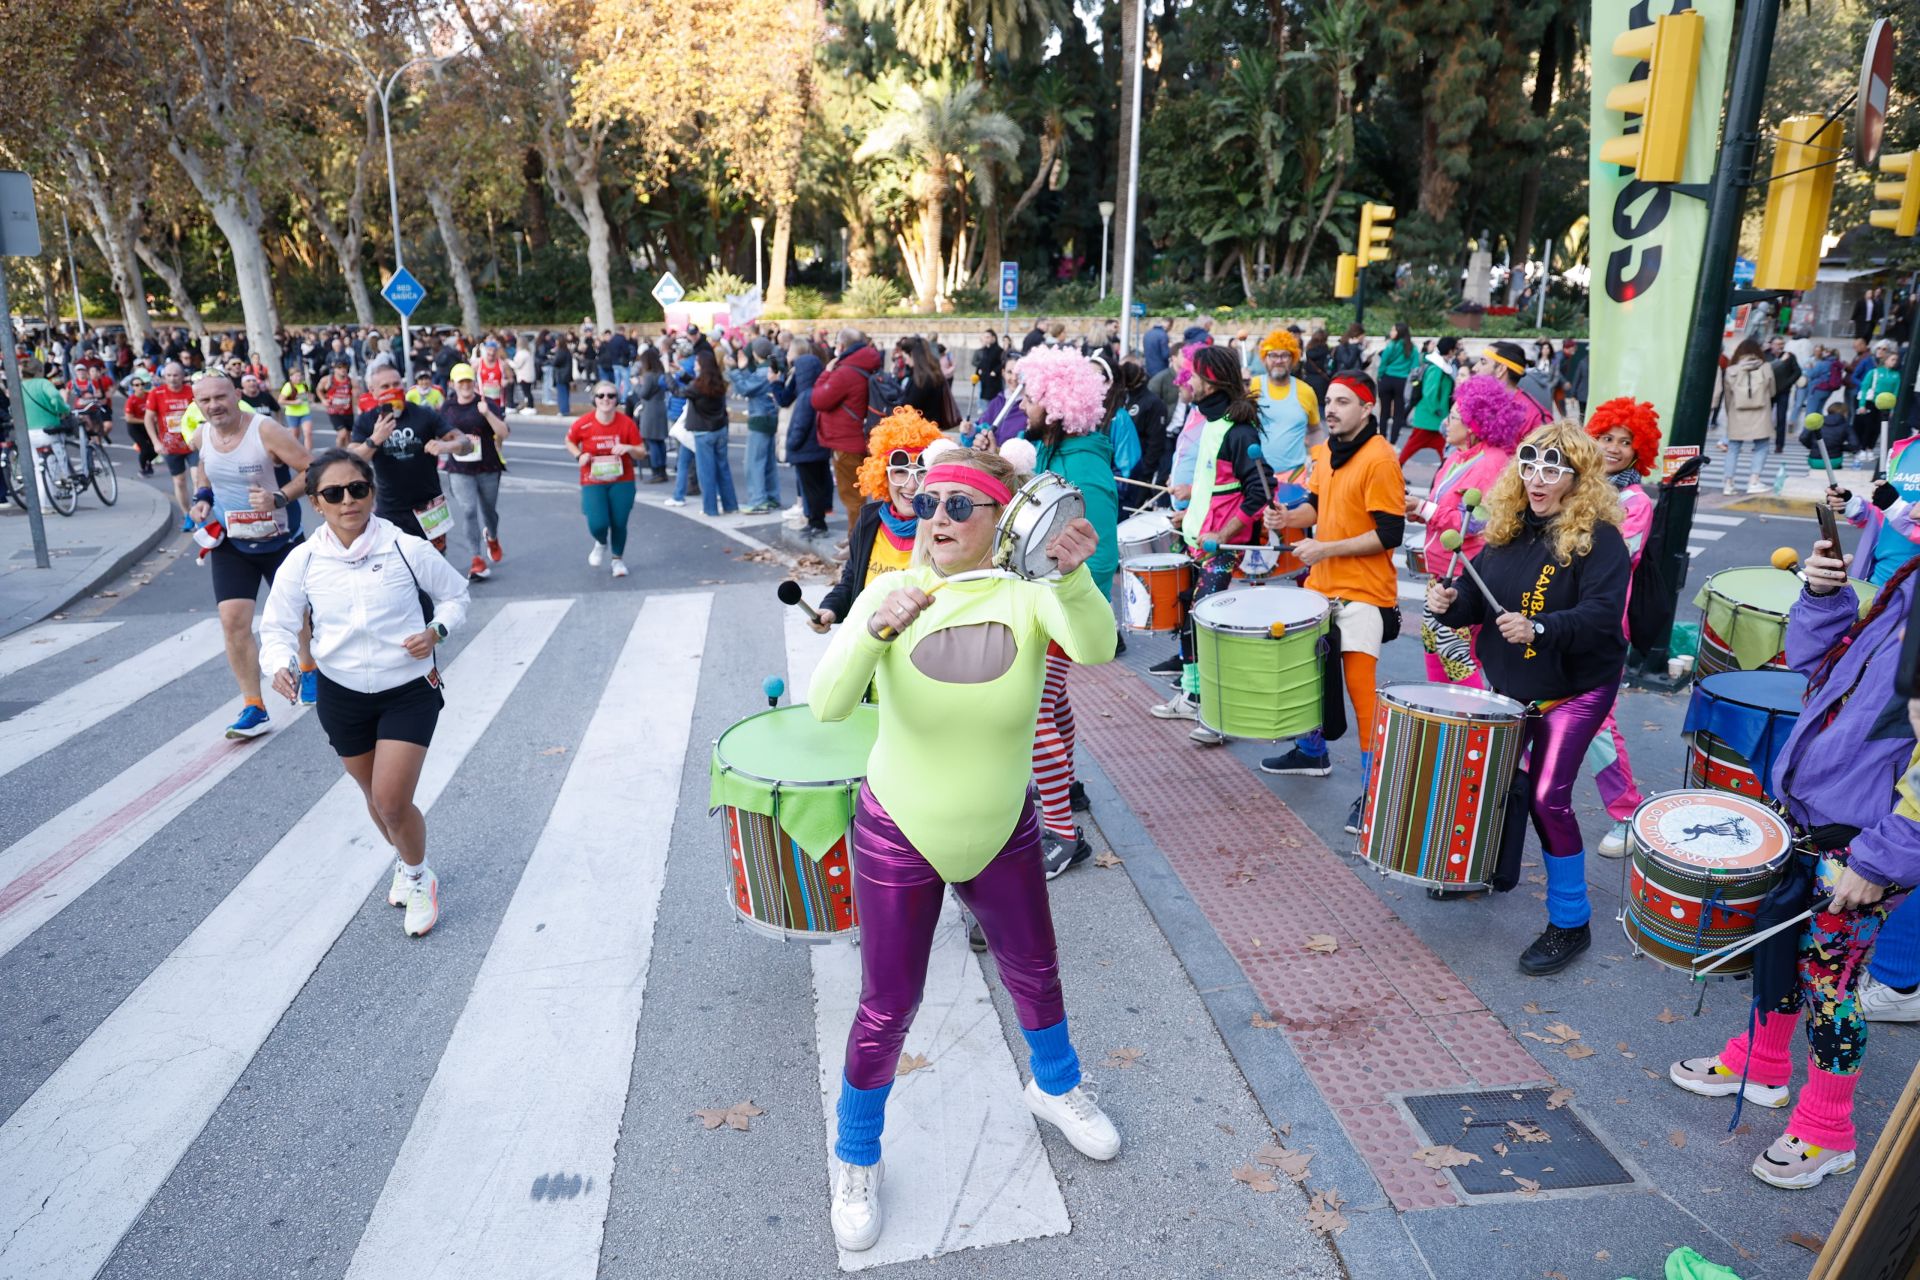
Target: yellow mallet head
1786	558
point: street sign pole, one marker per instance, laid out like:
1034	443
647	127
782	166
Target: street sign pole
20	238
1732	175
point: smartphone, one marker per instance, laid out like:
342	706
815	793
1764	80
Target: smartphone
1829	527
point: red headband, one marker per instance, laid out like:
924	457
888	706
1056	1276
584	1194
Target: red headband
1361	391
973	477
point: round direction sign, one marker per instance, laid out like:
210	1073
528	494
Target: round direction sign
1876	85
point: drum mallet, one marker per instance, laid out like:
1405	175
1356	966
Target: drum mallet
1144	485
789	593
1478	581
1470	503
773	687
1291	496
1786	558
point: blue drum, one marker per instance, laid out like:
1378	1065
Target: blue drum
1737	723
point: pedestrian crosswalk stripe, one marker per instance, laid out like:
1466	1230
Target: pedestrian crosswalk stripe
85	1153
66	855
46	725
1708	517
37	644
965	1164
1709	535
534	1077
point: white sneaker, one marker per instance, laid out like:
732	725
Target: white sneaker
1757	485
1726	484
1614	843
397	891
1205	737
597	556
1178	707
1878	1002
856	1206
619	569
673	502
1706	1077
795	514
423	904
1077	1115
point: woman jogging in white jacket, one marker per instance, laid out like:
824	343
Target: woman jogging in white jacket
379	697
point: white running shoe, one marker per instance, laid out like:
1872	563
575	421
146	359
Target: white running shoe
1879	1002
856	1206
1178	707
1797	1165
1205	737
673	502
1077	1115
397	891
423	904
1614	843
1706	1077
619	568
597	556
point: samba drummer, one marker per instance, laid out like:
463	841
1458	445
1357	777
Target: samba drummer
946	800
1358	514
883	532
1838	776
1557	564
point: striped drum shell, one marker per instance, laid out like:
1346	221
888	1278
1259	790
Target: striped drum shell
1702	861
779	891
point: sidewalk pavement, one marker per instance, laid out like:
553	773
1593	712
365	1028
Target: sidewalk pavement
87	548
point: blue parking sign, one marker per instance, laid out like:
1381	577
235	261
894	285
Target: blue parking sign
1009	286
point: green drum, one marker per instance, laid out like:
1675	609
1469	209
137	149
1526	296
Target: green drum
1261	651
786	785
1744	614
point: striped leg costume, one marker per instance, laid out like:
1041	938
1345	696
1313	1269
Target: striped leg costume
1053	747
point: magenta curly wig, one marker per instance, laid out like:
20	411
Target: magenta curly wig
1491	411
1183	363
1066	386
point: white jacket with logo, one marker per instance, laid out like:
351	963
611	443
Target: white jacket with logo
365	604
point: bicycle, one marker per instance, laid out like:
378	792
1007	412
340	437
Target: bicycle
94	468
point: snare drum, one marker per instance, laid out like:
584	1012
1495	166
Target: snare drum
1043	507
1151	591
1701	863
1744	618
1147	534
1260	651
1443	762
786	785
1736	724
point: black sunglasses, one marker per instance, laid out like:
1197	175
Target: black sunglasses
959	506
606	397
335	493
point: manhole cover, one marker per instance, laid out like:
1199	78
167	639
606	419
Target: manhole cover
1570	1156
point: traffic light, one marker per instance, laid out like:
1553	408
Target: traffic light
1904	219
1799	198
1345	273
1376	229
1663	101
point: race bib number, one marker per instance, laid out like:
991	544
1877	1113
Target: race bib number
606	469
248	525
434	518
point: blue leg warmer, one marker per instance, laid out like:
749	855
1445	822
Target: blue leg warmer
1567	890
863	1113
1056	1067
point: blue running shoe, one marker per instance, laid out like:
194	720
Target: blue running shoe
309	687
251	724
186	524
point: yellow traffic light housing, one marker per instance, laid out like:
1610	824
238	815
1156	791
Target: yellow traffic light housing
1346	273
1663	101
1376	230
1904	219
1799	198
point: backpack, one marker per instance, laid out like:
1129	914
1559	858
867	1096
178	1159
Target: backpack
1830	377
1745	390
885	393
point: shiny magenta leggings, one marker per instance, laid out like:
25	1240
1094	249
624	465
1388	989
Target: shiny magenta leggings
1560	741
899	893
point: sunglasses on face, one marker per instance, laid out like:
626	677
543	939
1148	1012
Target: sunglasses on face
335	494
606	397
901	467
959	506
1546	465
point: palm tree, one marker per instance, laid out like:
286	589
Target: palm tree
944	131
939	31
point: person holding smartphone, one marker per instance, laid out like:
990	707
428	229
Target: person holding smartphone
404	441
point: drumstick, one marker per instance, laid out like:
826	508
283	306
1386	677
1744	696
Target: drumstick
1144	484
1452	539
773	687
1210	546
1744	945
789	593
1481	583
887	632
1786	558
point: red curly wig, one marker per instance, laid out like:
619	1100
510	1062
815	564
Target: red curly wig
1642	422
904	428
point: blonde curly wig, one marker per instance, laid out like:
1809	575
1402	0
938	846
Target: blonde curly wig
1591	501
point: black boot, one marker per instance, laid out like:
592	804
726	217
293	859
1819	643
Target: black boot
1554	950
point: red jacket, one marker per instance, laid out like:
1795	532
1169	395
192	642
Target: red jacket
840	401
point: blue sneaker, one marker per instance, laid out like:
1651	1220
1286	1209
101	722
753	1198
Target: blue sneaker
186	524
1298	764
309	687
251	724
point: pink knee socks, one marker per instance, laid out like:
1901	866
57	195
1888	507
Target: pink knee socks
1824	1114
1765	1060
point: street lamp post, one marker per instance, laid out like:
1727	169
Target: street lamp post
843	260
759	225
73	276
1138	72
1106	239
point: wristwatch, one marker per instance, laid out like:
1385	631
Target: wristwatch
1539	627
438	628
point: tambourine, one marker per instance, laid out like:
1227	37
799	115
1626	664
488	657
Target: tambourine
1039	511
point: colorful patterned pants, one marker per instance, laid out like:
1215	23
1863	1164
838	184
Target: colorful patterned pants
1612	771
1833	956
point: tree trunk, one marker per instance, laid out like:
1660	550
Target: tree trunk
533	201
170	275
777	256
440	200
1049	154
933	229
237	212
599	255
1246	278
1543	87
113	237
1320	220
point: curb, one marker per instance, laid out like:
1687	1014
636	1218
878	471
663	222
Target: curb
110	570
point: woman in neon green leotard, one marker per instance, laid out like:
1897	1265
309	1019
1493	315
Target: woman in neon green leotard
959	680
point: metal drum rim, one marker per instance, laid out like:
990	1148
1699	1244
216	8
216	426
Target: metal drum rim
725	764
1229	629
1518	714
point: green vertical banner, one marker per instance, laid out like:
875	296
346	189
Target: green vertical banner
1644	240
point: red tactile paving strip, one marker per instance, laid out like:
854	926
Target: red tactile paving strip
1380	1016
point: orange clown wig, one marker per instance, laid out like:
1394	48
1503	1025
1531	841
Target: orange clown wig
1281	340
1641	421
904	428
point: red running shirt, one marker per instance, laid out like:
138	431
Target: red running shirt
596	440
169	408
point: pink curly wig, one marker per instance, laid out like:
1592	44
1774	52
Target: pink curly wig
1642	422
1067	387
1183	363
1491	411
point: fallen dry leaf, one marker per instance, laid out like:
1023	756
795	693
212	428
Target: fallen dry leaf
1323	943
1812	1244
1257	1178
1667	1015
910	1063
1527	1185
1652	1075
1579	1051
1562	1030
1107	858
1122	1058
1526	1132
1262	1021
1534	1008
1323	1213
1224	1128
1448	1157
738	1116
553	751
1559	1098
1602	1256
1500	1148
1554	1275
1678	1139
1292	1163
